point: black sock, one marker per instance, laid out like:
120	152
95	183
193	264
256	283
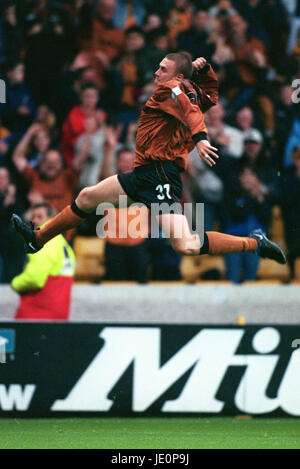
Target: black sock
205	247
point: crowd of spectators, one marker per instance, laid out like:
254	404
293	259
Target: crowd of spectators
78	71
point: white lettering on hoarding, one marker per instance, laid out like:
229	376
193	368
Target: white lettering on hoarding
208	355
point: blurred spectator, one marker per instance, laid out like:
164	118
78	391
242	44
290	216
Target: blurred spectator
86	116
196	39
129	13
10	34
19	109
245	119
97	149
289	200
45	117
286	115
33	145
268	22
228	139
249	52
292	142
204	186
5	137
222	8
151	22
294	10
247	203
49	43
179	19
105	37
164	261
105	42
251	60
45	284
11	246
158	46
128	65
126	257
50	182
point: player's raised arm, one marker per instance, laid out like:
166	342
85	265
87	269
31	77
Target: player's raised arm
206	79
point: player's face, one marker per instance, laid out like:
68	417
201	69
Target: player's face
165	72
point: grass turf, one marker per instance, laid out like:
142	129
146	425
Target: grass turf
158	433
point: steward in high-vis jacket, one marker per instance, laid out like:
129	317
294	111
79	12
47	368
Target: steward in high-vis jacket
46	282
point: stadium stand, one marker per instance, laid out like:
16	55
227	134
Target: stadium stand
56	63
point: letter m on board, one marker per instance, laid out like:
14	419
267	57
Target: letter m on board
209	353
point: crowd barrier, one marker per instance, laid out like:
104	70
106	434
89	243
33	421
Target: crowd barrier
51	369
155	350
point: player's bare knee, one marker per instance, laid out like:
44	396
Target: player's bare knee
84	199
186	248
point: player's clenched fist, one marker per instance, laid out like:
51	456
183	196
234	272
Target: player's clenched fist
199	63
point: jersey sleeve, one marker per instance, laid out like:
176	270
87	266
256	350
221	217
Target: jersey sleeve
173	101
207	81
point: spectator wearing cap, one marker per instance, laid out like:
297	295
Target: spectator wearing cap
247	203
45	284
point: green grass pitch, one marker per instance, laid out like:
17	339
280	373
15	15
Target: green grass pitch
153	433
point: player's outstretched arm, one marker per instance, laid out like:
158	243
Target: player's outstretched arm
207	152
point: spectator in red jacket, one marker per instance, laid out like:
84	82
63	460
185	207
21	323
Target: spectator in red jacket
76	122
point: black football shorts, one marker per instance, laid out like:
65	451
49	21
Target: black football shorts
156	182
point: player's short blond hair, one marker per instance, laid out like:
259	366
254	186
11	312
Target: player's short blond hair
183	63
